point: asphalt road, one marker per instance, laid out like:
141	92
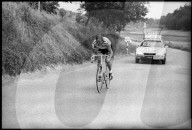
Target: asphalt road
140	96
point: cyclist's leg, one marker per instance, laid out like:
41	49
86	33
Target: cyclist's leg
109	65
127	50
99	64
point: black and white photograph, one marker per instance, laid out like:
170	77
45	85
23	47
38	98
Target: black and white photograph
96	64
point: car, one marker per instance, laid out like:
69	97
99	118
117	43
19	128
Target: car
152	48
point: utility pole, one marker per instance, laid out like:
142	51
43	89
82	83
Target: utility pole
39	6
144	29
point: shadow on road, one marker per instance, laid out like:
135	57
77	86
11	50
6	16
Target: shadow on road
132	61
77	102
151	62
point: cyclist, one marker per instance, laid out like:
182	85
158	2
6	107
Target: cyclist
127	47
104	46
128	42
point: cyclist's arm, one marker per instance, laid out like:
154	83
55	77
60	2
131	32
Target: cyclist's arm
95	46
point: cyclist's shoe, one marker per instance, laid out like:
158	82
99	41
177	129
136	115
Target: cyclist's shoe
110	76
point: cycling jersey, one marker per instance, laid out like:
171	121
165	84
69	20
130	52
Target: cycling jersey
103	48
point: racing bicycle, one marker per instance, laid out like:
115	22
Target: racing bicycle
101	67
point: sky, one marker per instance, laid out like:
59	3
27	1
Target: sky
156	9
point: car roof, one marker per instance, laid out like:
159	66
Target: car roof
153	37
152	40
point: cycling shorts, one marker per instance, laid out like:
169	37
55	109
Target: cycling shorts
106	51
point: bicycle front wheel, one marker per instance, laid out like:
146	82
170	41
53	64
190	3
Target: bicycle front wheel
107	78
99	80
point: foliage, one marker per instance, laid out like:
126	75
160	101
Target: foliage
50	7
115	14
180	19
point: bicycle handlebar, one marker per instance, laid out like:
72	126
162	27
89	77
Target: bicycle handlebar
101	55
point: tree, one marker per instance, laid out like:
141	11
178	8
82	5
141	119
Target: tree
179	19
150	21
115	14
162	20
62	13
50	7
186	23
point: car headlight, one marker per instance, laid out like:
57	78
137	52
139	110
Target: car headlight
139	53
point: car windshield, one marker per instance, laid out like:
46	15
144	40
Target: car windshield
127	38
152	43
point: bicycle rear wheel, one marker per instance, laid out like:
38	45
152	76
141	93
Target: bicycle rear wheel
107	78
99	82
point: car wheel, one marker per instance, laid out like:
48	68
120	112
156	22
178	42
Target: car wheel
163	61
136	60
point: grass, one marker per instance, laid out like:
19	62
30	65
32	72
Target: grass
185	46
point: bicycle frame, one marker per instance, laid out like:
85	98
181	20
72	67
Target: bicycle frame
104	71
